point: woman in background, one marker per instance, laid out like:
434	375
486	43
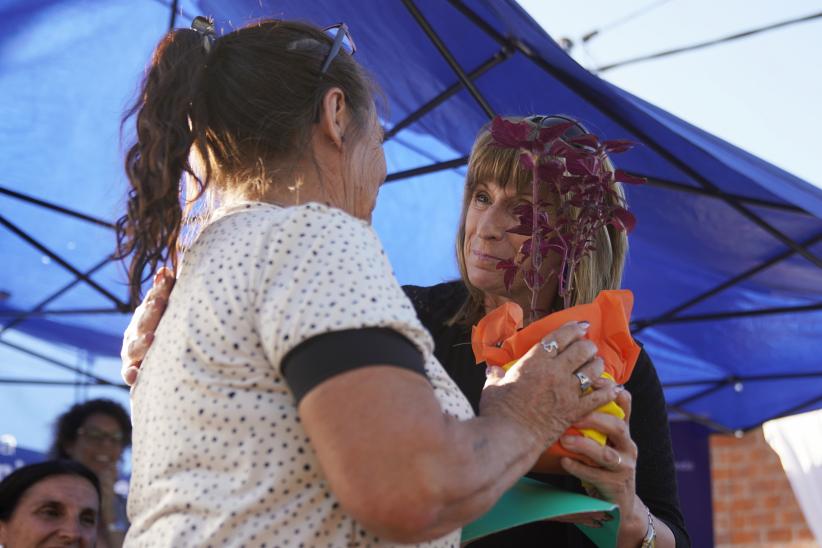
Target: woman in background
95	433
52	503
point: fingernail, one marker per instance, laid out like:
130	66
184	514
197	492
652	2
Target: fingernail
584	325
158	277
148	337
619	389
488	371
568	440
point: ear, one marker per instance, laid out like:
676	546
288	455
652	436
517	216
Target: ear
334	116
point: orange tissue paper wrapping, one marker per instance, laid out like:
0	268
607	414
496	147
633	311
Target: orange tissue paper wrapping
499	340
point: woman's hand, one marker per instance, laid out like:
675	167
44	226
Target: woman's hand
140	331
614	479
541	391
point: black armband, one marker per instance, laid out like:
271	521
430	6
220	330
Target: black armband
319	358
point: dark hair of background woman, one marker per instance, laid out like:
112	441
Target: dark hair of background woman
15	485
65	431
245	106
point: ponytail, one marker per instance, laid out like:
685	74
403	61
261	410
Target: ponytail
170	119
241	105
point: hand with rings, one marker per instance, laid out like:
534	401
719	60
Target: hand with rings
541	392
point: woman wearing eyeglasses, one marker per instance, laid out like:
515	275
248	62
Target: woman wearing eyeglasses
95	433
291	395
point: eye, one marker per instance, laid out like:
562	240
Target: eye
481	198
49	511
88	518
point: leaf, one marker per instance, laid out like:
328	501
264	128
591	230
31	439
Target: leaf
623	219
508	278
524	210
526	161
581	165
525	248
510	269
510	134
548	134
550	171
521	229
617	146
587	140
625	177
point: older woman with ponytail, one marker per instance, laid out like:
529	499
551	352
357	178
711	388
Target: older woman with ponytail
291	395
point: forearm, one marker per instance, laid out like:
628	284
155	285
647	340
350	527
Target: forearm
486	456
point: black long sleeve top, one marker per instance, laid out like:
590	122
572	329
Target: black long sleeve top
655	473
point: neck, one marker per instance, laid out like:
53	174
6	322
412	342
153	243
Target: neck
306	181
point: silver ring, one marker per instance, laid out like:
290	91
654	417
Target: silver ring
584	382
550	346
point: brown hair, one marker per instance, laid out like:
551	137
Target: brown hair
244	110
602	269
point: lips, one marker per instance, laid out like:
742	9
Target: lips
485	257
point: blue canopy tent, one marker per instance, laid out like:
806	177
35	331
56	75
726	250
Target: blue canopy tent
725	263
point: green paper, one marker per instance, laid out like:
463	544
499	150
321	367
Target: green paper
530	500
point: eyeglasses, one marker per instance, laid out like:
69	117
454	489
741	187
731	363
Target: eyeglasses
97	437
554	120
342	39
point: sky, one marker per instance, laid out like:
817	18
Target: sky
762	93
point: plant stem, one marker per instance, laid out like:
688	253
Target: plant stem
536	251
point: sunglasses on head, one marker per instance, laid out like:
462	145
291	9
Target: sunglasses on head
342	40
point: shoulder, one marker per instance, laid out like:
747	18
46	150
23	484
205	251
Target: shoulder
644	374
441	300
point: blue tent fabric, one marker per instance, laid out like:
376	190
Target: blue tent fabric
710	214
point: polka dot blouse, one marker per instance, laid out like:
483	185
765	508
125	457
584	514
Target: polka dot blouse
219	456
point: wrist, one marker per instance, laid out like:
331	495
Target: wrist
634	525
649	540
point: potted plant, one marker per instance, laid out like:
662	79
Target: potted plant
576	171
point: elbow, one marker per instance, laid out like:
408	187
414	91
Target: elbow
402	511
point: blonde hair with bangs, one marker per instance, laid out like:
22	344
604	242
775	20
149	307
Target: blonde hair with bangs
601	269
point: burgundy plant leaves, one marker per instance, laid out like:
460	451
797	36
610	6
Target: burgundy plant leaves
511	269
577	171
624	220
625	177
551	133
617	146
510	134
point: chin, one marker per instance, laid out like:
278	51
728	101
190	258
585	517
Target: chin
487	282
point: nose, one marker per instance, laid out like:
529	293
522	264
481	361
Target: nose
71	533
493	223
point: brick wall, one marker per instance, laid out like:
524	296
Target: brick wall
753	502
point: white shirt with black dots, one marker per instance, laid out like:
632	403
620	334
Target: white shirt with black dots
219	456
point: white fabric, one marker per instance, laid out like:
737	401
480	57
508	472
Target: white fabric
798	442
220	457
